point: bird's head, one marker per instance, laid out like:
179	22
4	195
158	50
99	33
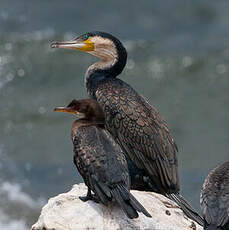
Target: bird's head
84	108
100	44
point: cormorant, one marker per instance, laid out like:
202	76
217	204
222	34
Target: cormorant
135	125
214	198
99	159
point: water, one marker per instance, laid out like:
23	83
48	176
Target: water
178	59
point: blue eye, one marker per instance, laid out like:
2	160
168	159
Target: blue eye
86	36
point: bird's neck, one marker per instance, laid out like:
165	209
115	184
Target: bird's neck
108	67
92	82
99	71
85	122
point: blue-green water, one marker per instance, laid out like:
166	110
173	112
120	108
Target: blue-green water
178	59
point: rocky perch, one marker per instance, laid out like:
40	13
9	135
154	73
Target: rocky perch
67	212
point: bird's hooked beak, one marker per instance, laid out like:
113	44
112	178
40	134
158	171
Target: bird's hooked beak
66	110
86	45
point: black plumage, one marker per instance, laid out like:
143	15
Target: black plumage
99	159
214	198
141	132
134	124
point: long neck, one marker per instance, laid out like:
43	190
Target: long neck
109	66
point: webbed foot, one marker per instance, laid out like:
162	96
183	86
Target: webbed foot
84	198
89	196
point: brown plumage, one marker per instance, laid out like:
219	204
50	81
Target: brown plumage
99	159
134	124
214	198
144	136
142	133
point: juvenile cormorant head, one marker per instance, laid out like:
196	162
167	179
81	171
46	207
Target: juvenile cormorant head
88	109
106	47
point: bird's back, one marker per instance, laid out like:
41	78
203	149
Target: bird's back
98	156
103	166
141	132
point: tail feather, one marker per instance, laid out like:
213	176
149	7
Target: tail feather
124	192
121	194
130	200
100	193
138	206
186	208
105	189
128	209
133	201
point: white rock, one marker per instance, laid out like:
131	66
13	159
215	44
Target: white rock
67	212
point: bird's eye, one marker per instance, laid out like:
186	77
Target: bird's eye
86	36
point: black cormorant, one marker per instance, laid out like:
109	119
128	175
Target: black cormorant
214	198
135	124
99	159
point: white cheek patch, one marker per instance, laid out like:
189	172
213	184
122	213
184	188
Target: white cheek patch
104	49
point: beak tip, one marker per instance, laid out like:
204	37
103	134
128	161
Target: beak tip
54	45
58	109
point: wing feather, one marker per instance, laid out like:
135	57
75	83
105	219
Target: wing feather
142	132
99	157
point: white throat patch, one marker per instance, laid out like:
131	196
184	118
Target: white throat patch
105	50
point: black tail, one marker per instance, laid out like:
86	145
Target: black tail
128	202
186	208
121	194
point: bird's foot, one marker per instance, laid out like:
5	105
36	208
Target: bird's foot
89	197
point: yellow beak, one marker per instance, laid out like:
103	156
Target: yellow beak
85	46
66	110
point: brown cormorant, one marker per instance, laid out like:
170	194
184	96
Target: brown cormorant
99	159
214	198
136	125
